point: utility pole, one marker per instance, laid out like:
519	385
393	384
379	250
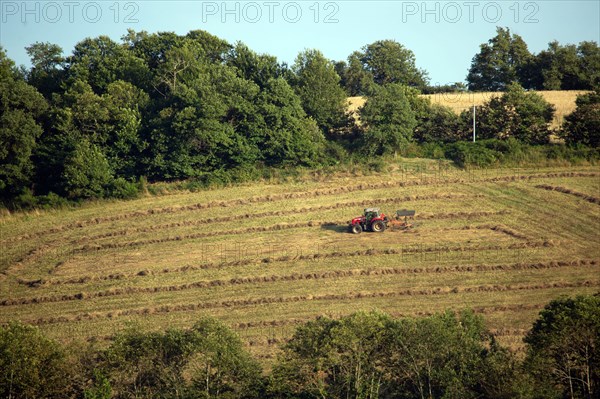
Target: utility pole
473	119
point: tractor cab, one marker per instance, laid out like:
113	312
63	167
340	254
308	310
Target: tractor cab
371	213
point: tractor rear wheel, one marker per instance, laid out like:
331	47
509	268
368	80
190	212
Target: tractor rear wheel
378	226
356	228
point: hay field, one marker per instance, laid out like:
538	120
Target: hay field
564	101
264	257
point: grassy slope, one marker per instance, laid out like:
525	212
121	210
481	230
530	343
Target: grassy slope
490	240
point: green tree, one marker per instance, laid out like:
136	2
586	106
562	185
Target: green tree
439	124
333	358
565	67
123	145
21	106
357	80
388	119
258	68
500	62
318	86
516	113
47	71
87	173
589	65
583	124
283	133
32	365
390	62
563	350
101	61
220	367
371	355
207	361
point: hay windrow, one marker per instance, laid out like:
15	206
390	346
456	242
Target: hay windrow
320	275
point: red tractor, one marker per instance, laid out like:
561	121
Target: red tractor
372	220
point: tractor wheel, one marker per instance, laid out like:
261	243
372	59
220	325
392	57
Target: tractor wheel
356	229
378	226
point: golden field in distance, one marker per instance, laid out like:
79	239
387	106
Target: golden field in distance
563	101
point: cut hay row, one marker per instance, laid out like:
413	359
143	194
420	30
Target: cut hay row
259	215
295	195
588	198
237	303
275	227
286	258
297	321
337	274
242	327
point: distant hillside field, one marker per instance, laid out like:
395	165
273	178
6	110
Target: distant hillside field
563	100
264	257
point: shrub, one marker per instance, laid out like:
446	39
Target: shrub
121	188
465	154
582	126
32	365
517	113
563	348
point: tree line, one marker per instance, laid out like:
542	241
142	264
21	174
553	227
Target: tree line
111	116
363	355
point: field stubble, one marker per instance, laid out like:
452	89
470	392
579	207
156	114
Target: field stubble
503	243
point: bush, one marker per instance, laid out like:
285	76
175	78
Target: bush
582	126
439	124
32	365
466	154
517	113
563	348
52	200
123	189
87	172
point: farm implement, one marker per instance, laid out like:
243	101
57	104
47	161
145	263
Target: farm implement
376	221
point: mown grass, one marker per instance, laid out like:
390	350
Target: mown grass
489	240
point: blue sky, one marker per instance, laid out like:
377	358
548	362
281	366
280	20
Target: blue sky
444	35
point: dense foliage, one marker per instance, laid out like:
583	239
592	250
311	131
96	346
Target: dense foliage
363	355
110	116
505	59
583	125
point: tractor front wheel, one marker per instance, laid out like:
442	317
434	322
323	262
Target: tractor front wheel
356	228
378	226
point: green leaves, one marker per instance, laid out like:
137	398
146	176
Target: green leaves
21	107
32	365
499	62
389	119
318	85
523	115
207	361
582	126
564	352
87	172
391	62
371	355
